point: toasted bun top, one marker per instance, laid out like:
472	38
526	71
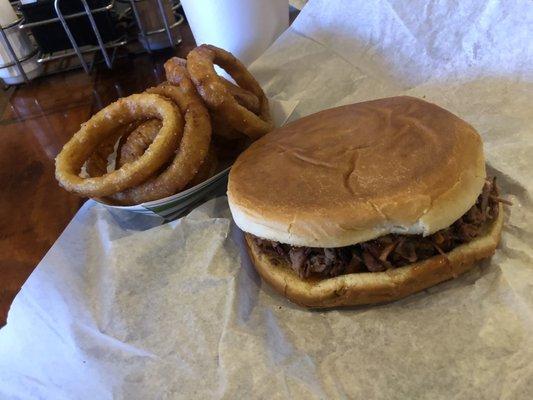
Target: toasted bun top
357	172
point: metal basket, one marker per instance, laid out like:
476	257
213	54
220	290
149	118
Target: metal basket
107	50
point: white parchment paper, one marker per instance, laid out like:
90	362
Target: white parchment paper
122	307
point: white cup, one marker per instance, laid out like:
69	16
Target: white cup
22	46
244	27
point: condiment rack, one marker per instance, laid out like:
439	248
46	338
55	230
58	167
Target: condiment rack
129	12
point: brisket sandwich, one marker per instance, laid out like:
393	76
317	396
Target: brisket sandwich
366	203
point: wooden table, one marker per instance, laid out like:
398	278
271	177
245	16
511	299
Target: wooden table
36	120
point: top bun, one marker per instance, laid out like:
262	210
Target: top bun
353	173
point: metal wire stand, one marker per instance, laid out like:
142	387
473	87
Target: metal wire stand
107	50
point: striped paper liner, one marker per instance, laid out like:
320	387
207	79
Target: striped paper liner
181	203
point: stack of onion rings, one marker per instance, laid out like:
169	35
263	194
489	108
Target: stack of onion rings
200	64
176	72
103	125
244	97
152	145
191	152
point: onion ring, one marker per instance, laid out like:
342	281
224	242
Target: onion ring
96	164
208	168
102	125
175	69
178	61
244	97
191	152
200	64
137	142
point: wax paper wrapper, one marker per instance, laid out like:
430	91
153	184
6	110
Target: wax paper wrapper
123	307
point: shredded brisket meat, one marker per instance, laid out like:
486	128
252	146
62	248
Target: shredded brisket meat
389	251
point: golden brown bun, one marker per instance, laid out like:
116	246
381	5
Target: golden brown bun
357	172
374	287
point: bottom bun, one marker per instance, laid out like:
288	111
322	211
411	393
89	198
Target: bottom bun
374	287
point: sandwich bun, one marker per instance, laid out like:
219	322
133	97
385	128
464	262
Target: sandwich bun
353	173
374	287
